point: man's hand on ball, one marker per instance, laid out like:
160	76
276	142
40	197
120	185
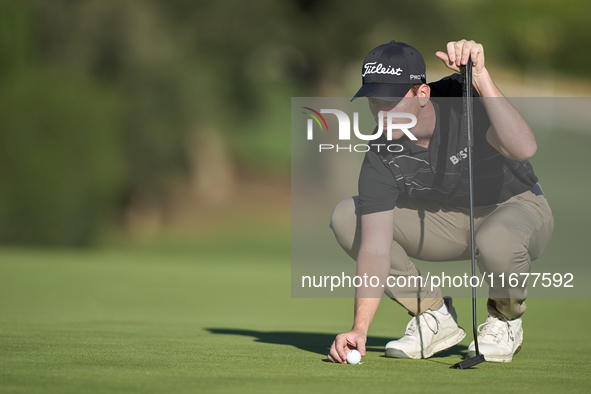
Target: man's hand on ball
347	341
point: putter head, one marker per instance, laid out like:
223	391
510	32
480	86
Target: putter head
469	362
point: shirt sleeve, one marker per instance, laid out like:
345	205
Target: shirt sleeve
378	190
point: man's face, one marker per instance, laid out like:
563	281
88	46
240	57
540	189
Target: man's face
408	104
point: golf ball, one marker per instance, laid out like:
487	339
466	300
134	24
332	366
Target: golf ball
353	357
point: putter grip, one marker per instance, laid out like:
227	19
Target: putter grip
467	94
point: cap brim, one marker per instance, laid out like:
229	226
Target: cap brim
383	91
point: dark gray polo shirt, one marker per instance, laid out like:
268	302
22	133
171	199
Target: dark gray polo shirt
440	173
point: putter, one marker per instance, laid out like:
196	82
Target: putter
467	109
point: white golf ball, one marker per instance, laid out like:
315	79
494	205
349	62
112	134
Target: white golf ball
353	357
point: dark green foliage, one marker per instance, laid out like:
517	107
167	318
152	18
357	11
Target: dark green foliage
151	74
61	160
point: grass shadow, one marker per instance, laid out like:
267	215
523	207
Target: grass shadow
320	342
308	341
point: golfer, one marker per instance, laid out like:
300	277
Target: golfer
414	203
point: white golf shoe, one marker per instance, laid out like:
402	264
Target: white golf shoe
427	334
498	339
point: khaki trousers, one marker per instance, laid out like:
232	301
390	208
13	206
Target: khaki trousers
508	237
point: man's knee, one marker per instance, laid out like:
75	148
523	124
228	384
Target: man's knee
343	215
499	250
344	224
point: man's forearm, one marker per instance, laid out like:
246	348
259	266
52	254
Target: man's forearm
367	299
510	134
365	310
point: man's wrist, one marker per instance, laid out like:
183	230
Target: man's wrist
361	329
484	85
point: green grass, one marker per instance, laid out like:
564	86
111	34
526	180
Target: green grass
217	316
176	319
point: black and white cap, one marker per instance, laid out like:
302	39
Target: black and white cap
390	70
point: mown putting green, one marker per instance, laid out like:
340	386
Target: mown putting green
177	320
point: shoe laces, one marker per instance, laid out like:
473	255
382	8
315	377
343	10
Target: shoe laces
413	327
496	327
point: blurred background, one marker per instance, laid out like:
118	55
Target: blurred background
140	120
145	202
